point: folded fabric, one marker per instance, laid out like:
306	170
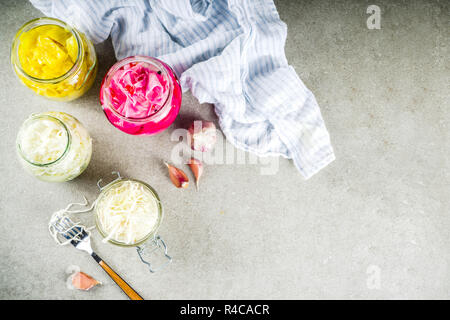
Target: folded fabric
228	53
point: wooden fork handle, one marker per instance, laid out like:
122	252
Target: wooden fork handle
129	291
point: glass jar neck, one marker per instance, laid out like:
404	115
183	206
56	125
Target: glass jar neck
23	130
160	68
15	59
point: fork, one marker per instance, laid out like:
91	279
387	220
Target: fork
81	240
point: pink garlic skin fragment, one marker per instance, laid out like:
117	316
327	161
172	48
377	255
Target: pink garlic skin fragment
83	281
202	135
197	169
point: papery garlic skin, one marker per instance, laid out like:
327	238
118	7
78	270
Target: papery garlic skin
202	135
83	281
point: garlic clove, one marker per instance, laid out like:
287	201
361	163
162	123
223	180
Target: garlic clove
83	281
202	135
178	177
197	169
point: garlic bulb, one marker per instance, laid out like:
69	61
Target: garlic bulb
202	135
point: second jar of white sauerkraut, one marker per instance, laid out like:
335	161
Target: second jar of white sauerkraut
128	212
54	146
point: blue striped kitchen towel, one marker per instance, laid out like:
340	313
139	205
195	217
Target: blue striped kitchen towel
227	52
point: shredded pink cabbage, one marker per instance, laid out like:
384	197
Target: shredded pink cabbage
136	90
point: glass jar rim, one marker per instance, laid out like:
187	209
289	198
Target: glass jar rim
151	232
14	53
39	116
137	58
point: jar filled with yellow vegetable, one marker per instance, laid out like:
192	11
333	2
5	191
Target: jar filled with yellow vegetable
54	59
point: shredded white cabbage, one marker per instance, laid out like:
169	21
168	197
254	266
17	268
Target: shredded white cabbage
42	141
58	233
127	212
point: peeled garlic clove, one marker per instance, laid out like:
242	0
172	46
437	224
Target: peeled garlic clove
202	135
178	177
197	169
83	281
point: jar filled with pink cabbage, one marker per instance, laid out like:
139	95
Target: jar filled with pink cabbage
141	95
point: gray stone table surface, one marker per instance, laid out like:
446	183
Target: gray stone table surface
373	224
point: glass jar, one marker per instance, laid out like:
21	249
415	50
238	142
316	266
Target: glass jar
140	95
128	213
53	59
54	146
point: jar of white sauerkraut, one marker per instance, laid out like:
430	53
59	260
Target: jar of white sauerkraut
54	146
128	213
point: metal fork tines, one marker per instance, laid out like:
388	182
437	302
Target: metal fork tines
80	238
77	235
